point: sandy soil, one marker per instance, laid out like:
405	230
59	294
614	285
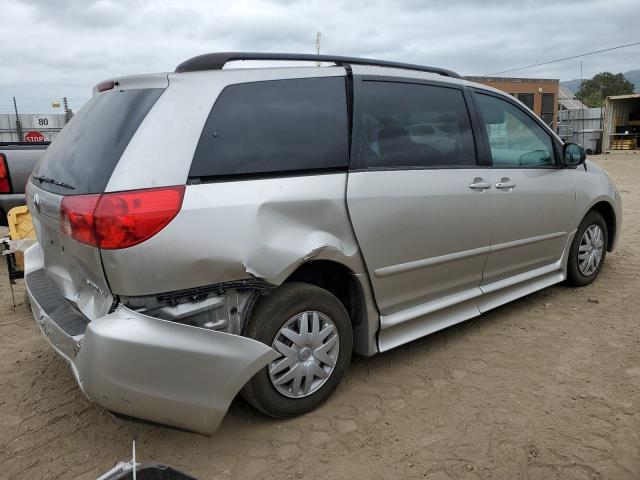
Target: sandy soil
546	387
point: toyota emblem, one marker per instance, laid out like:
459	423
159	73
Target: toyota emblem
36	202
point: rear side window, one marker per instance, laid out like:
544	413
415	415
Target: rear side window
413	125
87	150
275	126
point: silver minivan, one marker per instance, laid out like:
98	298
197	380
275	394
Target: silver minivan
220	230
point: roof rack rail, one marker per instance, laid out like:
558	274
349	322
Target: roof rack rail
215	61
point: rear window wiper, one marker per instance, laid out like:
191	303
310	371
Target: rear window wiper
42	178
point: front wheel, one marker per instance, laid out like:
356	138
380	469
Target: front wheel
311	330
588	250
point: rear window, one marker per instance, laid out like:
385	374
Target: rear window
275	126
87	150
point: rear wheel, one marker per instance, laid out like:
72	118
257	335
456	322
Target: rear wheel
588	250
311	330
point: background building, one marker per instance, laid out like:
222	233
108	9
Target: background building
622	122
539	94
567	100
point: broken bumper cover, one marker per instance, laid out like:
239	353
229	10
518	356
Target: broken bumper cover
144	367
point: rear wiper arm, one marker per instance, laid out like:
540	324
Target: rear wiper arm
42	178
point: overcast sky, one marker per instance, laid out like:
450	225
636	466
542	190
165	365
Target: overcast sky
53	48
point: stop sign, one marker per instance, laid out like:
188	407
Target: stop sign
34	137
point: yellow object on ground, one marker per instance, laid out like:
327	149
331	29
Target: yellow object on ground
20	224
20	228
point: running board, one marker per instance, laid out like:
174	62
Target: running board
504	291
416	322
392	336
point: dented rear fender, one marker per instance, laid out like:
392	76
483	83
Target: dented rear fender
227	231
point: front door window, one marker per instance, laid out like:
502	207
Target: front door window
516	140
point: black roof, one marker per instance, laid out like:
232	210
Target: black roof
215	61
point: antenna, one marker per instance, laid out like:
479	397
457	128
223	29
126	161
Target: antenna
318	35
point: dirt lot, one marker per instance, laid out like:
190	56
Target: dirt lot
546	387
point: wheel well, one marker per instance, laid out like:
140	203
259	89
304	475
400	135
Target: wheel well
338	280
606	210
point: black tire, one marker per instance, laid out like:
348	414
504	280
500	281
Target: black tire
269	315
574	276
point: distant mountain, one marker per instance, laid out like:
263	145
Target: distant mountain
573	85
633	76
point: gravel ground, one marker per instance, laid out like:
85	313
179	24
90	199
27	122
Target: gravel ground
546	387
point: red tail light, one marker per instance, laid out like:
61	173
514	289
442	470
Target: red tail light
119	220
76	217
5	182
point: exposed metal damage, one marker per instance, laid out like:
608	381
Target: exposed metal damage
151	368
223	307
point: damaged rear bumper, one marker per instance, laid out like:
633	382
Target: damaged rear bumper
145	367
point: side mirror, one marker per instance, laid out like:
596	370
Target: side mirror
573	154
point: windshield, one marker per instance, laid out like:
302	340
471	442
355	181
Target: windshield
84	155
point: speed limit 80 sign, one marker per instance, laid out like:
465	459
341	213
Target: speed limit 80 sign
42	121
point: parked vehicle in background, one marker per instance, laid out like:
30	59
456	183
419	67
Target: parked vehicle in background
17	160
213	230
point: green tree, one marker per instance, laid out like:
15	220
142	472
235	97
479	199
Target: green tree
601	86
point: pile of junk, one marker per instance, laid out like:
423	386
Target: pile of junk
21	236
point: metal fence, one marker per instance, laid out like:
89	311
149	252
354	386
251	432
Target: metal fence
46	124
583	126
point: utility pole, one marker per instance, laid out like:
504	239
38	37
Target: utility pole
18	124
582	101
318	35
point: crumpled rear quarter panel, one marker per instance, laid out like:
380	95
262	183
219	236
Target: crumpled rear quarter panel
232	230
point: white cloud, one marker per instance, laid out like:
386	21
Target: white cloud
53	48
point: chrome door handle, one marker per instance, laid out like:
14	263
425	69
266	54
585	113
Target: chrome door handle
479	184
505	183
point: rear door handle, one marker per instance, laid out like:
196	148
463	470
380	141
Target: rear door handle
505	184
479	184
